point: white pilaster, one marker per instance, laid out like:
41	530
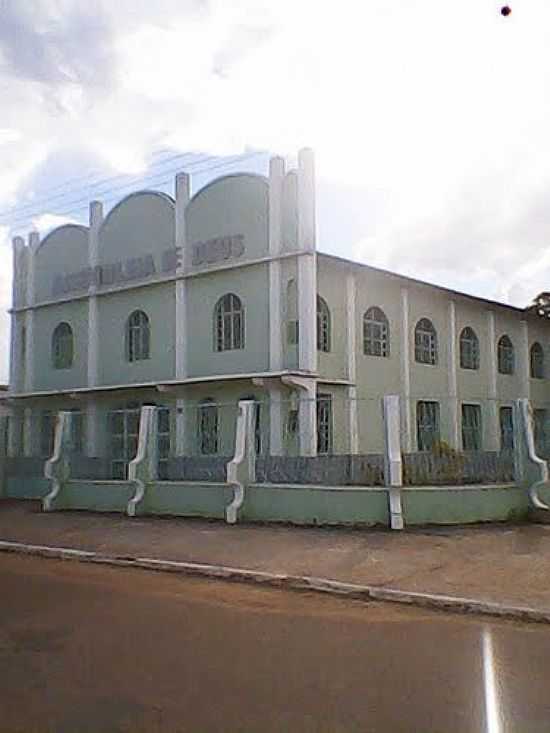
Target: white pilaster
27	432
34	243
454	432
180	427
275	421
276	179
352	419
92	429
96	220
307	419
307	312
524	361
406	441
17	368
351	367
493	428
182	200
306	201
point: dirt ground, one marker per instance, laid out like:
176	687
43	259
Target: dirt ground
498	563
89	649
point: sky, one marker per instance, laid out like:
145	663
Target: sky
429	119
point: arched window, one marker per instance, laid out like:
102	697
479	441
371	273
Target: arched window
207	424
537	361
138	337
323	325
425	342
228	323
469	349
62	347
376	333
505	355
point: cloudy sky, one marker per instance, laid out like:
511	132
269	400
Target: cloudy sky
430	121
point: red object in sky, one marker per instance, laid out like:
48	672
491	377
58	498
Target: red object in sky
505	10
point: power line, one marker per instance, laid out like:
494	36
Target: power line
18	222
37	206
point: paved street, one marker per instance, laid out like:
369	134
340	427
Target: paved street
91	649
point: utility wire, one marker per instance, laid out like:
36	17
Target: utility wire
115	191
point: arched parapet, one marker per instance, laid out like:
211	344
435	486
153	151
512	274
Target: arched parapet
61	263
227	221
137	239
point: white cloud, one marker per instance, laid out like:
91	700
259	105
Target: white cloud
436	108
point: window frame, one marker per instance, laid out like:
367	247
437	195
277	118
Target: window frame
427	427
229	323
506	357
471	427
62	346
469	349
324	420
506	427
138	337
536	361
376	333
208	439
425	343
324	326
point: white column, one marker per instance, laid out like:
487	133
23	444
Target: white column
454	433
523	361
34	243
96	220
307	312
28	432
307	419
182	200
493	428
14	435
180	427
406	441
351	367
92	429
275	421
306	201
276	178
17	369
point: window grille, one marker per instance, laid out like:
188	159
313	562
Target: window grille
427	425
293	332
228	323
208	428
469	349
505	356
540	430
138	337
47	433
506	429
62	347
376	333
323	325
324	423
471	427
425	342
164	441
123	428
537	361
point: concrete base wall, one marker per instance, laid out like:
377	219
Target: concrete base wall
296	504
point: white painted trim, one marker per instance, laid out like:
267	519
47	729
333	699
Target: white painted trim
493	428
180	428
454	437
92	429
351	327
307	313
182	186
29	352
352	420
307	412
275	317
406	439
524	361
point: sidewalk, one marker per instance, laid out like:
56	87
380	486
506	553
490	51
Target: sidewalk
502	564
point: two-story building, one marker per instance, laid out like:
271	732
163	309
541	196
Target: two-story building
192	303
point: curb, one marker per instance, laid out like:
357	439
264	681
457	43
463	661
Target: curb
434	601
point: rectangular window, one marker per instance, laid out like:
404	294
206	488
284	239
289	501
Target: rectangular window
540	428
324	423
208	428
471	427
47	433
427	425
78	432
164	441
506	429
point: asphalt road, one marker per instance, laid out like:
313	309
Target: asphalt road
90	649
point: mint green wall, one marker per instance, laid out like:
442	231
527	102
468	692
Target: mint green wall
18	369
236	204
46	377
251	285
509	385
331	286
98	496
539	330
289	310
463	505
186	500
27	488
63	251
158	302
141	224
